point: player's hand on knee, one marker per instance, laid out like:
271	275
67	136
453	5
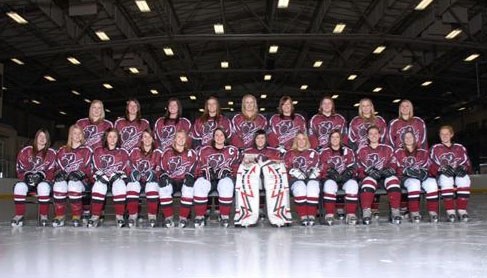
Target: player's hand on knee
135	175
447	170
164	180
347	174
150	176
387	172
460	171
297	173
101	177
189	180
332	174
77	175
373	173
60	175
314	173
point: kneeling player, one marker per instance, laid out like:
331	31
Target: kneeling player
215	170
413	166
303	165
177	165
376	163
338	169
264	161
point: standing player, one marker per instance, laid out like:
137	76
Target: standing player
35	170
357	131
323	123
451	165
215	170
177	165
413	167
110	164
338	169
131	127
406	122
72	177
204	126
166	127
245	124
376	163
262	165
144	171
302	163
284	127
95	125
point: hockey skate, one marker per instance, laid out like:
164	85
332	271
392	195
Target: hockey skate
199	222
415	217
340	214
76	221
132	221
433	217
329	219
120	221
17	221
463	216
94	221
311	221
152	220
44	221
225	222
58	222
304	221
396	216
183	222
367	216
452	218
168	223
375	213
86	217
351	219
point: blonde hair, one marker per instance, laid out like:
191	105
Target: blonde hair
256	107
411	110
69	142
102	116
295	141
448	127
185	137
332	105
372	110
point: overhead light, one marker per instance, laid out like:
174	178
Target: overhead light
339	28
396	100
230	103
231	109
107	86
36	101
304	87
168	51
423	4
471	57
376	112
17	61
192	97
17	18
437	117
407	67
142	5
295	102
62	113
4	88
75	92
224	64
49	78
376	90
459	109
262	109
108	110
335	96
379	49
267	77
453	34
356	104
73	61
426	83
263	96
154	92
228	87
183	78
273	49
102	35
219	28
317	64
352	77
87	100
282	4
201	110
134	70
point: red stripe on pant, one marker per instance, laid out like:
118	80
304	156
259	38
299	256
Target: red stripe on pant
448	201
167	210
152	206
76	207
351	206
59	207
132	205
413	201
200	205
366	199
225	205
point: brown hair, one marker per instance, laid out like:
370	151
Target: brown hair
411	111
105	136
180	109
206	113
35	150
281	103
139	113
153	145
332	103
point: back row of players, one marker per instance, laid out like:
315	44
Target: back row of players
231	156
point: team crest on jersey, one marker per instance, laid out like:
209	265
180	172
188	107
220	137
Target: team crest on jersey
143	166
373	160
208	129
130	137
91	134
409	161
299	163
35	164
216	161
107	163
248	130
449	159
177	167
70	163
286	130
324	129
336	162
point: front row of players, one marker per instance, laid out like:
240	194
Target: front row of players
224	169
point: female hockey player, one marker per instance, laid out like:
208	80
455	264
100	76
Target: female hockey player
357	130
166	126
284	127
95	125
246	123
131	126
406	122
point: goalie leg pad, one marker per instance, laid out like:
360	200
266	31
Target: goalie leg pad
277	194
247	195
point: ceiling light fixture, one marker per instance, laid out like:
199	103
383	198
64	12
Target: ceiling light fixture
192	97
295	102
339	28
379	49
107	86
73	61
17	61
219	28
87	100
262	109
17	18
304	87
154	92
224	64
228	87
168	51
317	64
376	90
49	78
396	100
183	78
472	57
423	5
426	83
267	77
134	70
63	113
407	67
356	104
263	96
142	5
352	77
75	92
36	101
230	103
273	49
335	96
282	4
453	34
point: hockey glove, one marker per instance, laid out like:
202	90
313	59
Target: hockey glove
297	173
37	177
347	174
135	175
150	176
373	173
164	180
60	175
189	180
447	170
314	173
423	174
460	171
29	180
412	173
387	172
333	174
101	177
225	173
281	149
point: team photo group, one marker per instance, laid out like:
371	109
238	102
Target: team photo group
256	166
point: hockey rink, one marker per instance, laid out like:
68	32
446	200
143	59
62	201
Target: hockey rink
378	250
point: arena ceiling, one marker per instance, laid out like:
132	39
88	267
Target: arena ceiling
313	58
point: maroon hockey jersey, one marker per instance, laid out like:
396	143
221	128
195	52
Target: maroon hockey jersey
419	159
130	132
111	161
338	160
357	131
165	131
94	131
74	160
203	131
267	153
145	163
27	163
455	155
243	130
178	164
302	160
397	128
379	158
283	129
320	127
212	159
